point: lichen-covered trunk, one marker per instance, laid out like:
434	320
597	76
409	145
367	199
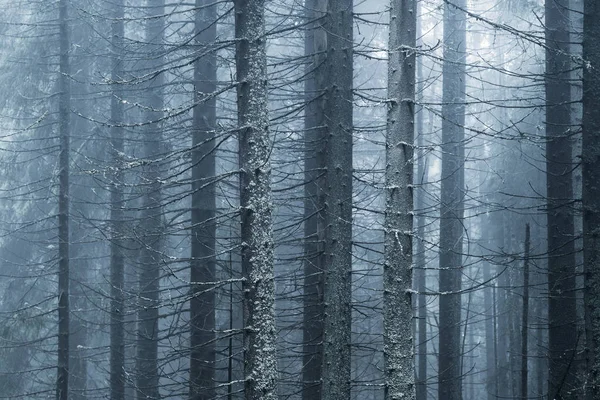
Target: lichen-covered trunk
203	232
337	105
117	259
260	362
591	193
399	375
64	111
562	315
452	201
314	205
147	368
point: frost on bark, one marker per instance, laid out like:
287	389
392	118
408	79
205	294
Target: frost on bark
452	200
399	378
337	105
64	110
203	233
260	362
147	368
562	313
117	259
314	204
591	192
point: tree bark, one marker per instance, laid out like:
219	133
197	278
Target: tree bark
561	250
64	117
525	316
260	362
117	260
452	200
147	372
591	193
399	377
204	227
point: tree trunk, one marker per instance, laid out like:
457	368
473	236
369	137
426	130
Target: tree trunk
525	316
315	46
64	116
147	373
452	201
490	341
337	105
260	362
591	192
561	251
117	260
399	378
203	233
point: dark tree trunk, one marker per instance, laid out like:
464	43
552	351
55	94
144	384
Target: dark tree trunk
591	192
399	377
64	111
147	373
562	311
452	201
260	362
203	233
315	45
117	260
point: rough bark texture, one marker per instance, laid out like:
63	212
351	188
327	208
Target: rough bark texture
203	233
260	362
64	111
399	378
525	316
315	45
452	201
591	192
561	250
147	369
337	103
117	260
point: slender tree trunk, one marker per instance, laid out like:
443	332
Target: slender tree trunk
204	227
525	316
260	362
117	260
399	378
337	103
591	192
315	46
64	111
561	251
147	373
452	200
490	344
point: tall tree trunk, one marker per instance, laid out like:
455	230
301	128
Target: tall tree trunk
399	377
525	316
315	45
64	117
337	105
260	362
561	251
117	260
452	200
147	373
204	227
591	192
490	337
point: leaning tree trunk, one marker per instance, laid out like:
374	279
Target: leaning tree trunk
337	106
452	200
260	362
204	227
117	260
399	378
64	111
562	313
147	368
315	45
591	192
